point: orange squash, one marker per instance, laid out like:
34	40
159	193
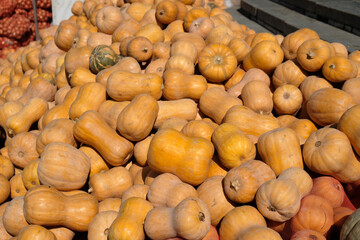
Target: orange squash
338	69
41	200
312	54
13	216
65	34
242	182
180	148
239	219
251	123
217	62
71	167
178	85
100	224
330	189
287	99
211	192
315	213
97	163
166	12
351	86
124	86
137	119
163	223
90	97
192	14
255	58
327	105
29	114
278	200
115	149
339	162
300	178
257	96
288	72
110	111
347	124
215	102
280	149
111	183
292	41
232	145
108	19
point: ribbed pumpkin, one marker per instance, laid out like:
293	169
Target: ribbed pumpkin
102	57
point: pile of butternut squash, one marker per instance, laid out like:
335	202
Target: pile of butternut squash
167	119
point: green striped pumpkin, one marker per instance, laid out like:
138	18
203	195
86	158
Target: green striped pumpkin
102	57
351	227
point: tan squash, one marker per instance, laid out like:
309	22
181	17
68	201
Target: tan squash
161	50
6	167
81	76
212	193
61	110
182	108
90	97
240	48
13	217
108	19
156	66
300	177
217	62
287	99
151	31
198	128
242	182
126	28
163	223
288	72
239	219
97	163
65	34
29	174
340	49
253	74
181	63
58	130
75	58
124	86
256	232
168	190
188	170
99	38
232	145
35	232
177	123
278	200
111	183
339	69
197	40
137	190
134	123
115	149
41	88
110	111
110	204
312	54
347	124
201	26
129	223
22	149
175	80
215	102
221	34
280	149
326	105
185	48
63	207
17	185
292	41
255	58
125	64
66	171
251	123
351	86
5	188
257	96
100	224
7	109
339	162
